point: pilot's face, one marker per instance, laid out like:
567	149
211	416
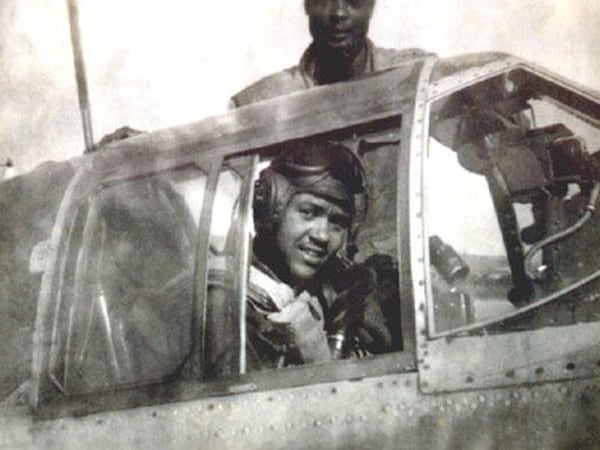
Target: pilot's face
311	230
339	25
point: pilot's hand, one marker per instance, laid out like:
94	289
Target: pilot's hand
301	321
356	310
118	135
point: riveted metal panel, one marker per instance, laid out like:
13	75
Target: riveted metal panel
419	258
515	358
383	412
472	75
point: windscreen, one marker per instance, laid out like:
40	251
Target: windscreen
127	290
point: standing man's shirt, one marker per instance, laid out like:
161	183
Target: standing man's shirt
302	76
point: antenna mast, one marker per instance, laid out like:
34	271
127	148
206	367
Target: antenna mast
82	90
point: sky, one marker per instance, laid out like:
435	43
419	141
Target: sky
153	64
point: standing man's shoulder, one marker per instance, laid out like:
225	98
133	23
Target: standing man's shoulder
298	78
386	58
274	85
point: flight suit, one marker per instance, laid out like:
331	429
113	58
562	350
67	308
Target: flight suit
284	328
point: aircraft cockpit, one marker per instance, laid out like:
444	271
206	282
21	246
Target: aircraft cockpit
483	180
141	247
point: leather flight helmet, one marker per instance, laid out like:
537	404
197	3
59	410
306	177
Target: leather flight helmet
324	168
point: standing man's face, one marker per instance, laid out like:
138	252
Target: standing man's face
312	229
339	25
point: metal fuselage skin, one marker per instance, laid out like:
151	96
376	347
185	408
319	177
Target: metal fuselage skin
416	399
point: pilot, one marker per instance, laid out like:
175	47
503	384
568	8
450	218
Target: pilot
306	301
340	51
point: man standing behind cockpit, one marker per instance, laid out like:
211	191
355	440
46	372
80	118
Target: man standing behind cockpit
340	51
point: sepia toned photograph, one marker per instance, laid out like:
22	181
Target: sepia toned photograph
317	224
